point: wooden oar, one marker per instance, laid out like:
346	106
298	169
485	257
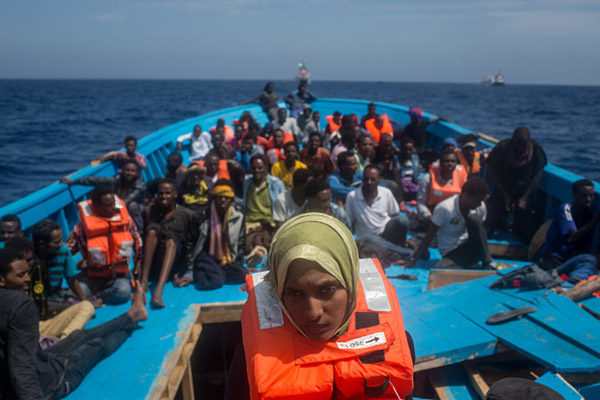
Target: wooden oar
583	290
488	137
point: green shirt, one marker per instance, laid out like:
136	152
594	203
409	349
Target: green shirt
258	205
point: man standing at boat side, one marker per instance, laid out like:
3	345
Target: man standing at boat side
106	237
458	224
572	229
27	371
287	124
200	143
516	166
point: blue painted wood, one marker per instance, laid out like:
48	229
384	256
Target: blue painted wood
131	371
557	382
457	385
590	392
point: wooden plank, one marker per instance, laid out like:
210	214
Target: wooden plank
451	383
477	381
221	312
508	251
560	385
187	384
443	277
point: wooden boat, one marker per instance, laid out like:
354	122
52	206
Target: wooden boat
184	349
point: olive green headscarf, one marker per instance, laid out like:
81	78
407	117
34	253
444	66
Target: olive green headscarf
322	239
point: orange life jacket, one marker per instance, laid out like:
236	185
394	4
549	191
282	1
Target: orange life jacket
372	356
109	242
222	172
465	164
228	131
287	137
373	130
333	126
439	192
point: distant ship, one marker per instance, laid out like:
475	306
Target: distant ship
493	80
303	75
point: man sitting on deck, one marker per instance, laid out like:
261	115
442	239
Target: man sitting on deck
106	237
314	154
260	192
200	143
290	201
27	371
284	169
572	229
128	185
129	154
445	178
373	212
215	254
167	227
58	319
318	199
458	223
347	179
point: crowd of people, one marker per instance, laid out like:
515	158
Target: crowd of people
212	221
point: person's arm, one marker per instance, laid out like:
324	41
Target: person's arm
278	213
108	156
422	194
422	248
137	246
339	191
181	138
252	100
185	269
91	181
21	352
141	161
74	240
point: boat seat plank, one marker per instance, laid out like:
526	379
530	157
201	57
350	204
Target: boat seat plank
559	384
131	372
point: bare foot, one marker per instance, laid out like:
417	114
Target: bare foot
157	301
137	311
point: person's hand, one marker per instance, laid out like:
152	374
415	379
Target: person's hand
522	203
179	146
97	303
507	204
181	281
66	181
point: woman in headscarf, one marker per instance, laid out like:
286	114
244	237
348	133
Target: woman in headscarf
319	326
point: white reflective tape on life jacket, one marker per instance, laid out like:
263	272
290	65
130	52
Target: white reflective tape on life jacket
85	207
126	249
269	310
372	283
97	256
374	339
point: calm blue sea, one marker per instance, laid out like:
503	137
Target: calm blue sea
50	128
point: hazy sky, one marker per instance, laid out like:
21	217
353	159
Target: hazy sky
547	41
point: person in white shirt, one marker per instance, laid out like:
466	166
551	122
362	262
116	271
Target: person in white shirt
458	223
374	214
200	143
290	201
287	124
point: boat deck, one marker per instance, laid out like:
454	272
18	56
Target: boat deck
560	336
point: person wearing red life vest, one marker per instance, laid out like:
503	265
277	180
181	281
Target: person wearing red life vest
378	126
445	178
106	238
226	129
468	156
322	324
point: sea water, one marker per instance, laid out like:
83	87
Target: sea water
51	128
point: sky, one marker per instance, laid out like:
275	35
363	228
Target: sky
531	42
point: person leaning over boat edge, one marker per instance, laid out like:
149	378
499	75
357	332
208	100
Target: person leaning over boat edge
129	154
321	316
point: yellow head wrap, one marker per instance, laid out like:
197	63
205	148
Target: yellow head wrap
320	238
222	190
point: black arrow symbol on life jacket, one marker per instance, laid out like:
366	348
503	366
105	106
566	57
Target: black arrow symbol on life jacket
375	339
